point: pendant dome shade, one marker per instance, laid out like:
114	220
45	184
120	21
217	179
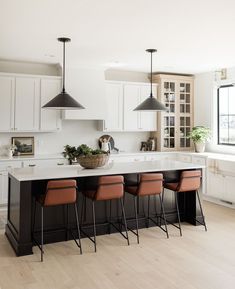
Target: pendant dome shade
63	100
151	103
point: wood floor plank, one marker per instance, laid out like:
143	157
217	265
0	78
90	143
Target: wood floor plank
198	260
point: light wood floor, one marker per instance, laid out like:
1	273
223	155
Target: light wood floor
198	260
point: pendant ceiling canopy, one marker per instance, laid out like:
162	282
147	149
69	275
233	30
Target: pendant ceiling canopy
63	101
151	103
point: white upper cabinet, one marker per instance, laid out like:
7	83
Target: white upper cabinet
114	99
7	90
147	120
131	100
122	98
27	95
21	101
49	119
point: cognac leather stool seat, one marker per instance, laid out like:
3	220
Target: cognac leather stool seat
189	181
58	192
150	184
108	188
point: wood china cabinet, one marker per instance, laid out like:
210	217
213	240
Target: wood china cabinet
176	92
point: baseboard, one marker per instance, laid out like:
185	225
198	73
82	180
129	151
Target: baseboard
218	202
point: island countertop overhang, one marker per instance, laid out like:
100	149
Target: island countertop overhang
75	171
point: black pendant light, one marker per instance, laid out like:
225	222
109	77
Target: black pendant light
151	103
63	100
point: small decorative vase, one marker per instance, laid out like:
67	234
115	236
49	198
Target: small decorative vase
199	147
10	153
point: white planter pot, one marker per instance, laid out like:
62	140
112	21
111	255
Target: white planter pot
199	147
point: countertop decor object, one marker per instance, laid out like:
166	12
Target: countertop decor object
110	140
151	103
63	100
23	145
90	158
200	135
70	152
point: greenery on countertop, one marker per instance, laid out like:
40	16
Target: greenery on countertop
71	152
200	134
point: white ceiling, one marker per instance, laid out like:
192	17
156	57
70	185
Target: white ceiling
191	35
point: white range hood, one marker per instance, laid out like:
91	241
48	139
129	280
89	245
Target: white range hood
87	86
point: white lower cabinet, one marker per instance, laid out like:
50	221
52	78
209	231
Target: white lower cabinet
3	187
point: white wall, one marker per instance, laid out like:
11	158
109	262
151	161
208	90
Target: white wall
205	105
76	133
112	74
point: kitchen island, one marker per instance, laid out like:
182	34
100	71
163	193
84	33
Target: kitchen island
25	183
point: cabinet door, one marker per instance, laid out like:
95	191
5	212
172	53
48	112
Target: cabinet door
114	100
131	100
3	188
50	119
148	120
27	104
7	103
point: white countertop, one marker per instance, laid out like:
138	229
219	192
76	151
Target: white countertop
34	173
34	157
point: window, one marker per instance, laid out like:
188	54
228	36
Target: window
226	115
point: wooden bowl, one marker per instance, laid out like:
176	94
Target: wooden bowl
93	161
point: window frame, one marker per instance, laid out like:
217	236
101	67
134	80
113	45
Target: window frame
218	116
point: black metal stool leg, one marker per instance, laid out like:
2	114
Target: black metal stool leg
136	219
94	227
148	211
110	215
42	234
164	216
124	218
34	217
78	228
178	213
67	225
200	205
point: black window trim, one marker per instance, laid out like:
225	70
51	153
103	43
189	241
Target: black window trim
218	116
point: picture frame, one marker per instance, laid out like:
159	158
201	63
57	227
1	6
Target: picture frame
23	145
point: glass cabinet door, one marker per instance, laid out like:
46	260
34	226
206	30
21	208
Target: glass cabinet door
169	92
185	107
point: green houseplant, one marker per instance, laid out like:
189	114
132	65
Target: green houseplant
91	158
200	135
70	152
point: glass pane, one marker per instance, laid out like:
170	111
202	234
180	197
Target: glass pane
188	98
188	108
166	97
172	143
172	108
166	120
172	121
182	122
166	142
182	87
231	100
182	142
187	87
172	97
172	86
182	98
166	132
223	100
232	129
172	132
182	108
187	121
188	144
182	132
223	126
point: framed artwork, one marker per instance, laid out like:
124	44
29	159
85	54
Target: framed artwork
23	145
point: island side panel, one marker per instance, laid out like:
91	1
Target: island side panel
18	227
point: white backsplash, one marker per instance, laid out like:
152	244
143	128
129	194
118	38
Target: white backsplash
76	133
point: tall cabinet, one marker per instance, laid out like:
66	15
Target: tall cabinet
176	93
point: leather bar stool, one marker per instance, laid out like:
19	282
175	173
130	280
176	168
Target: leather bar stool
58	192
109	188
189	181
150	184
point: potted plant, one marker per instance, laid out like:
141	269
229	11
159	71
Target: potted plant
70	152
200	135
91	158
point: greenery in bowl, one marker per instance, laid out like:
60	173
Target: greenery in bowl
72	153
200	134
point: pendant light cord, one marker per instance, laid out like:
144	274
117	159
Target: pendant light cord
63	89
151	78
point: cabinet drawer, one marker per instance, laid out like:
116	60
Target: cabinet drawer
45	163
198	160
123	159
185	158
10	165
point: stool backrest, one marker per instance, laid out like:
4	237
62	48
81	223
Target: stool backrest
110	187
60	192
150	184
189	181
